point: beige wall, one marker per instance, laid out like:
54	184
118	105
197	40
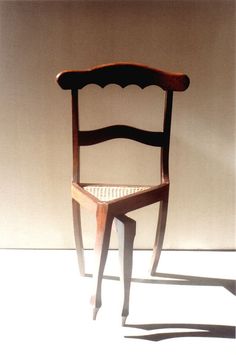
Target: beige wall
39	39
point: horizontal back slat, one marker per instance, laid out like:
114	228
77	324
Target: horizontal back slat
155	139
123	74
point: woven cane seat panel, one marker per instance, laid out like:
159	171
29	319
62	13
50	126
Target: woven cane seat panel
108	193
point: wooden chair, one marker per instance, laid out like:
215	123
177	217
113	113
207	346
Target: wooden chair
111	202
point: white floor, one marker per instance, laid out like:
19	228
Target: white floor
44	305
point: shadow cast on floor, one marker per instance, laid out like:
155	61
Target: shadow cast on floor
228	284
177	279
194	330
182	330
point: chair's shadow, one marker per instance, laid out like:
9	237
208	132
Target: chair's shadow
230	285
177	279
194	330
183	330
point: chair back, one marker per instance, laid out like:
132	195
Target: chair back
123	74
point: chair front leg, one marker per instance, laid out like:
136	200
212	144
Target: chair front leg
78	236
104	223
126	229
161	226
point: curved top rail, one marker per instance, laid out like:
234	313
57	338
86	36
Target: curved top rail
123	74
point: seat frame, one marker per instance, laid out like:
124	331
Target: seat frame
122	74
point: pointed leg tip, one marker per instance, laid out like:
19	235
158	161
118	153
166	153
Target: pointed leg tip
95	311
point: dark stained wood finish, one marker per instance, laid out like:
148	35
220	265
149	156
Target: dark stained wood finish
155	139
75	135
122	74
166	129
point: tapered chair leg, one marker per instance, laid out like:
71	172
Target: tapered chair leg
104	223
161	226
126	229
78	236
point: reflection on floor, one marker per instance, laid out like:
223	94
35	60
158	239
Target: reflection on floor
187	308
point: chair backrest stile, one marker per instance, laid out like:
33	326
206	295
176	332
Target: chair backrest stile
166	131
75	136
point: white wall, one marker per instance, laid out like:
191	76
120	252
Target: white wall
39	39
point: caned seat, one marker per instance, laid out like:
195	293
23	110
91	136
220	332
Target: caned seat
109	193
112	202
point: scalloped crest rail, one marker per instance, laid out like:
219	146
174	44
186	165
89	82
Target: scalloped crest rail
123	74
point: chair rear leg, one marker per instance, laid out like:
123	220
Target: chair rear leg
161	226
78	236
104	223
126	229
